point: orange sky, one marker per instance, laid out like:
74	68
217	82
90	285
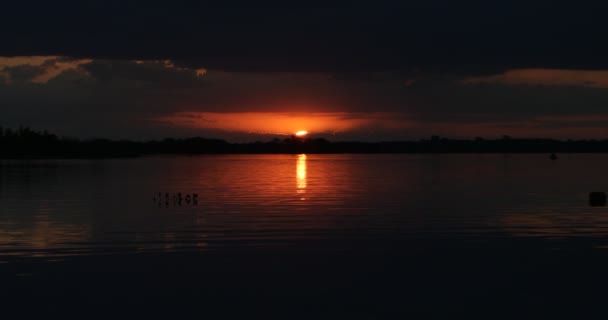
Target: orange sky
285	123
159	98
589	78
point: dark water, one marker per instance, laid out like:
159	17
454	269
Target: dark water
392	234
73	207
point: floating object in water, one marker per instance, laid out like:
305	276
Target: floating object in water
175	198
553	156
195	198
597	199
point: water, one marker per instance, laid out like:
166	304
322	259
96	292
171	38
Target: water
305	237
330	202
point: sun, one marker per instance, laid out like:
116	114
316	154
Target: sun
301	133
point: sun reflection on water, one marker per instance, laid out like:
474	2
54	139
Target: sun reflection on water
301	173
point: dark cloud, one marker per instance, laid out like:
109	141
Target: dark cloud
23	73
441	64
123	98
451	100
141	74
463	37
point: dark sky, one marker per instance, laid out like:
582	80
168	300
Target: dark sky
370	70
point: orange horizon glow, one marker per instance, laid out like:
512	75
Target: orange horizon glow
284	123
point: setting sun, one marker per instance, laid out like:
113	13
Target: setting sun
301	133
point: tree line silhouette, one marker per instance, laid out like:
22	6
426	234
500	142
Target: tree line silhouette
24	142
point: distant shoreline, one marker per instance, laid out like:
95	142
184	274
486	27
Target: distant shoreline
85	157
25	143
117	155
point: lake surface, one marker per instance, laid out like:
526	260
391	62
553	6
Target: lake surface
77	207
390	234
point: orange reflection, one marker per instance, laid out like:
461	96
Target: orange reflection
301	173
280	181
44	236
555	223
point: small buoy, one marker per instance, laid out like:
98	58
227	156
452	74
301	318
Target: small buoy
597	199
553	156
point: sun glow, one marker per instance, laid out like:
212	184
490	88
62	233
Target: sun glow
287	124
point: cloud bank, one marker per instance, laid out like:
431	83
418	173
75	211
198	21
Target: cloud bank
144	99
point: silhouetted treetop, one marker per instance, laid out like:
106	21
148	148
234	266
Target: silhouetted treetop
24	142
